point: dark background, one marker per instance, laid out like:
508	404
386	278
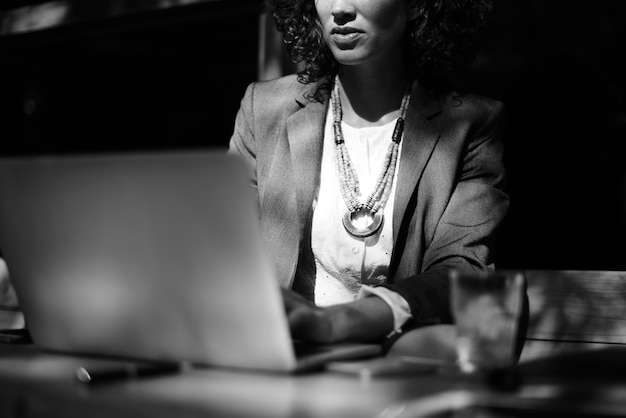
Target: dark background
559	68
174	79
156	79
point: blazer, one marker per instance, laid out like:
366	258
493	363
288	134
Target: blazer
449	198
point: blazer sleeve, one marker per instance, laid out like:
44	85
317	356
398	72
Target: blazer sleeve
242	142
465	234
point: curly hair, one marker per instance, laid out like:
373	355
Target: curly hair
440	39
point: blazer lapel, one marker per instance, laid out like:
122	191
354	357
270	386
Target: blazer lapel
418	143
305	132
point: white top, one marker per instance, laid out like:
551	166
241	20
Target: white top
344	263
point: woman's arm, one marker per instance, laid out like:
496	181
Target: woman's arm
364	320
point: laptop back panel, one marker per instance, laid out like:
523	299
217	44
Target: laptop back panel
146	256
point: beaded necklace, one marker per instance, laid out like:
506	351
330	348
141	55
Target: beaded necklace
363	219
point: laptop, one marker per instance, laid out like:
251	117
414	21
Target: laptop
153	256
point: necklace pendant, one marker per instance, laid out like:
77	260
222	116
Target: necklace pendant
362	223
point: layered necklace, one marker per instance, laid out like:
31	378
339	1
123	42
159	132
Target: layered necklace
364	219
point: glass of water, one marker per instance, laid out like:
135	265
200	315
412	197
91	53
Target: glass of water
486	308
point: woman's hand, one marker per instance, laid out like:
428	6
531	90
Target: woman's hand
307	321
368	319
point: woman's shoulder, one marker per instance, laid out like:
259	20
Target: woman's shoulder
266	105
277	93
472	107
285	82
475	115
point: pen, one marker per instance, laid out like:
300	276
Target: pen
107	374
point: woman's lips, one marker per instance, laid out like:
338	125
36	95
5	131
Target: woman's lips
345	38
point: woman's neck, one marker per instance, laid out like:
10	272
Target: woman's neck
371	98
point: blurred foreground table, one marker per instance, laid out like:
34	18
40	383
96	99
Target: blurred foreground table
36	383
40	384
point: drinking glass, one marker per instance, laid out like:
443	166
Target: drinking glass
486	308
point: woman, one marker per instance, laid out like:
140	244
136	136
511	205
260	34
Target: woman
373	181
